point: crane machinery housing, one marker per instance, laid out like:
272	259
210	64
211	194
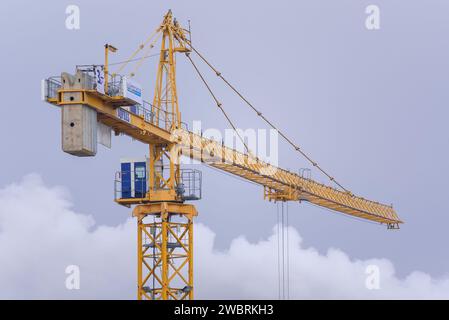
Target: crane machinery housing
94	102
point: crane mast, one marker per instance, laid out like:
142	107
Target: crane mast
164	219
165	257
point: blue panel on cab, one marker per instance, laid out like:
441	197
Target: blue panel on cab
126	180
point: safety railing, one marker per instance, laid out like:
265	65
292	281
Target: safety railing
188	188
154	115
52	85
150	113
115	85
94	72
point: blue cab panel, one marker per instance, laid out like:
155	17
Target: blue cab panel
133	179
126	180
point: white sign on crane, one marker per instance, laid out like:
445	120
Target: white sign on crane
132	90
99	78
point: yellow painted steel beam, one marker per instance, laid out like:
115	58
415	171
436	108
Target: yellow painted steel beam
165	208
111	114
165	251
216	155
279	180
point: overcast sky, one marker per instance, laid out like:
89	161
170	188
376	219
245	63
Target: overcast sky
370	106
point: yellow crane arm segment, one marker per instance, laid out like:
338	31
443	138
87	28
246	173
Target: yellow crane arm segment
280	184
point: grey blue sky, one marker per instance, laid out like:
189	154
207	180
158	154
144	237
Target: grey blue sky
370	106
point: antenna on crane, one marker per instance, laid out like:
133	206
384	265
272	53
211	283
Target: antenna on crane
190	32
107	48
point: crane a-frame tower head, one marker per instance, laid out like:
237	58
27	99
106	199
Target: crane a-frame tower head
95	97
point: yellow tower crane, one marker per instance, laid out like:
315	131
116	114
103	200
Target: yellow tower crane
93	98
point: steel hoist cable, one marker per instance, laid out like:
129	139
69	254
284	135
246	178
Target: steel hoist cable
282	134
136	59
288	253
219	104
139	64
278	225
283	249
283	253
131	58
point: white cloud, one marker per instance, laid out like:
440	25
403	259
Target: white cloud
249	270
40	235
